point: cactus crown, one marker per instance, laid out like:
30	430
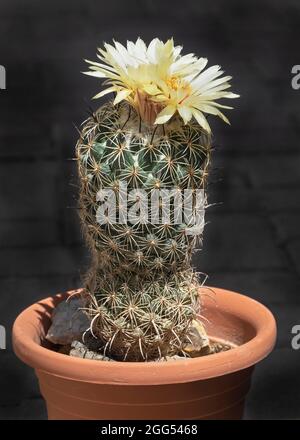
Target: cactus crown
148	143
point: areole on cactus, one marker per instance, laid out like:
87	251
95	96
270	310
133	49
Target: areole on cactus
153	138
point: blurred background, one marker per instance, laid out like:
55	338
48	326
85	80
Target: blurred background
252	239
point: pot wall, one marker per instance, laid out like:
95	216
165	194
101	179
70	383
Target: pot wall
217	398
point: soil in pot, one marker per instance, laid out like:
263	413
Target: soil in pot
81	350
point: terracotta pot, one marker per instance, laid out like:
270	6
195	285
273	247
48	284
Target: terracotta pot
210	387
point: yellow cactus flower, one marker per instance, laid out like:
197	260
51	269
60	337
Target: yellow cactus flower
158	81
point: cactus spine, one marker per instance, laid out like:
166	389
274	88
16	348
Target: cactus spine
145	294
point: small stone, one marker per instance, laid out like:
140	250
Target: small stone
172	358
69	322
217	347
198	342
79	349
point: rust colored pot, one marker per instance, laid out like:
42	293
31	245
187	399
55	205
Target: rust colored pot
209	387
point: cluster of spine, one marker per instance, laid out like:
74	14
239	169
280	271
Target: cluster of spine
143	289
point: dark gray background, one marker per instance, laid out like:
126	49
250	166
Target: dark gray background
252	241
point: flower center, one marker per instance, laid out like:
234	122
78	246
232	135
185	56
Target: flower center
173	82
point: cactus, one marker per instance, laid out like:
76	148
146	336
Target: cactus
144	291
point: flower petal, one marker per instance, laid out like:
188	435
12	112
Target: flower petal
185	113
97	74
200	118
123	94
210	109
165	114
104	92
151	89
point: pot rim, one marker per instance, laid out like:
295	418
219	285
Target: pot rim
27	336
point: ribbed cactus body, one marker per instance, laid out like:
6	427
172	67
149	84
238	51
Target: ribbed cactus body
144	291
